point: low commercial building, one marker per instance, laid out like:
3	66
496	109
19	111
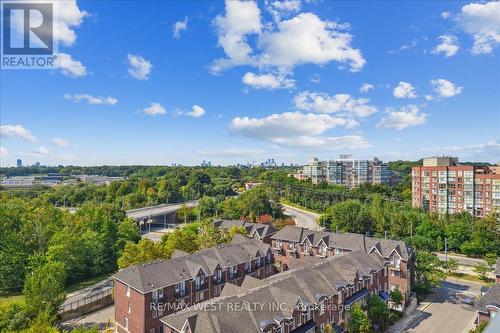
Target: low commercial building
293	245
305	299
444	186
146	292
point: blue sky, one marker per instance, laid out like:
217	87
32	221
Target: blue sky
180	82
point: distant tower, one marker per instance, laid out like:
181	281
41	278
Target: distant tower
19	163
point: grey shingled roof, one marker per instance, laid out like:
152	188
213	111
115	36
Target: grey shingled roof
344	240
492	297
262	229
305	284
161	273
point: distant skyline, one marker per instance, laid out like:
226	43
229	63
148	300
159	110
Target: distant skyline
156	83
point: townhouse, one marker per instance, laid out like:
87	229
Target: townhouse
260	231
146	292
292	245
303	299
488	306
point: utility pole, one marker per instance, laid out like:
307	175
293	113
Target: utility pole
446	250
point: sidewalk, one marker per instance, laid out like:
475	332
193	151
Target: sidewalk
401	324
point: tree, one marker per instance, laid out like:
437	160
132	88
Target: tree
348	216
206	206
184	239
208	235
428	272
450	266
42	323
490	258
44	290
357	322
144	251
396	298
482	269
378	312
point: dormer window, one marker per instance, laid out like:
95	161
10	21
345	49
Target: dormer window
233	270
248	267
305	247
199	281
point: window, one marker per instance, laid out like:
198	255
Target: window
338	251
233	271
129	309
128	291
126	323
218	275
199	281
180	288
152	330
268	257
306	247
248	267
161	330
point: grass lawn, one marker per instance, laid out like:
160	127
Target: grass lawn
289	203
472	278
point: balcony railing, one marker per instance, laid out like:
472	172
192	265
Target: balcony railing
218	280
180	293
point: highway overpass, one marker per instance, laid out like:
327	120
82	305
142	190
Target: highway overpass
159	215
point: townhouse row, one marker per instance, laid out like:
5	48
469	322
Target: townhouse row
293	245
144	293
303	299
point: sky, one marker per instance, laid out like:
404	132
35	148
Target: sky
165	82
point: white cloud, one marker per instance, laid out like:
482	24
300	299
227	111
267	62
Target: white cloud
138	67
404	90
154	109
366	87
326	142
178	27
315	78
307	39
445	15
449	46
302	39
196	112
278	127
446	88
267	81
91	99
3	152
342	104
408	116
70	66
241	19
429	97
16	131
231	152
280	9
481	151
482	21
40	151
60	142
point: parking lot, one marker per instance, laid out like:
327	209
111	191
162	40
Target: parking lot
447	310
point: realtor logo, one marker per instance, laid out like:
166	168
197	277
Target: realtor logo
28	35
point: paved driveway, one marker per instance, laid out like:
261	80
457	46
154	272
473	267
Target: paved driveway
444	312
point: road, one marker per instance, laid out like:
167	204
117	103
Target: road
466	261
303	218
443	312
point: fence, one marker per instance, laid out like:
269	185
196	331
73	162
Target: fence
84	301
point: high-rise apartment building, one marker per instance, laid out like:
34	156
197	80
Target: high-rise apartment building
346	171
442	185
19	162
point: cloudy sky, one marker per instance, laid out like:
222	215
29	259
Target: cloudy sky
180	82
